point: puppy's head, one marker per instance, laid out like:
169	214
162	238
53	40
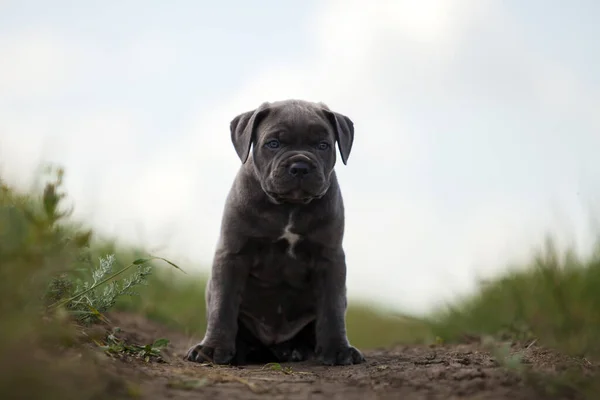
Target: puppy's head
293	147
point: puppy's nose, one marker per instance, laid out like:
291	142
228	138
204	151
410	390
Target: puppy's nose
299	169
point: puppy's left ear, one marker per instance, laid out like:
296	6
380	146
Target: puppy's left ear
243	130
344	132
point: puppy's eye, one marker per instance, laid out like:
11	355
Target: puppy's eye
323	146
272	144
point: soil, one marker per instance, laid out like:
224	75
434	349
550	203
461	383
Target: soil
464	371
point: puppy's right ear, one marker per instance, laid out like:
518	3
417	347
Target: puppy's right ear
243	130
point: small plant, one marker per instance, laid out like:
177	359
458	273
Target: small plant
279	367
87	300
503	354
118	347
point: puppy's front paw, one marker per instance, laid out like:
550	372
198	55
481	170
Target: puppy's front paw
201	353
346	355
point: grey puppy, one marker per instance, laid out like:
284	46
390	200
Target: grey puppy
277	291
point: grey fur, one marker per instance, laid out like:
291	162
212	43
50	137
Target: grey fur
279	294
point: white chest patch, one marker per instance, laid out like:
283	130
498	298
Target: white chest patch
291	237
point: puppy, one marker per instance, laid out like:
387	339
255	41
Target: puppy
277	290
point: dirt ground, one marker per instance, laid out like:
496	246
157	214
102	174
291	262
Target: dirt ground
447	372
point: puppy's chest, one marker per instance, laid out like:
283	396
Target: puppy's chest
286	256
290	234
290	239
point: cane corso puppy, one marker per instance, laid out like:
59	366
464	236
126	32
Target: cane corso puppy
277	290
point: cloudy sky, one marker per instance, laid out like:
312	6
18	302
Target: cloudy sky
477	122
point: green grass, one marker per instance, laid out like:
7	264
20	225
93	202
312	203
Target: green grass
50	287
554	301
38	353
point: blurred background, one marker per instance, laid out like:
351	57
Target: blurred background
477	123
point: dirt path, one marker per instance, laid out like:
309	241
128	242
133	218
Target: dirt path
415	372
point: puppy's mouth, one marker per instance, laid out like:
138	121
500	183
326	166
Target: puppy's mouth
293	197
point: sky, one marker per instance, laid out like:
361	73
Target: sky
476	123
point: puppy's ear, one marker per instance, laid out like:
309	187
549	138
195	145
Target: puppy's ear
344	131
243	130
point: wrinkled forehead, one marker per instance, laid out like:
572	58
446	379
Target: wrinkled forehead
298	119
